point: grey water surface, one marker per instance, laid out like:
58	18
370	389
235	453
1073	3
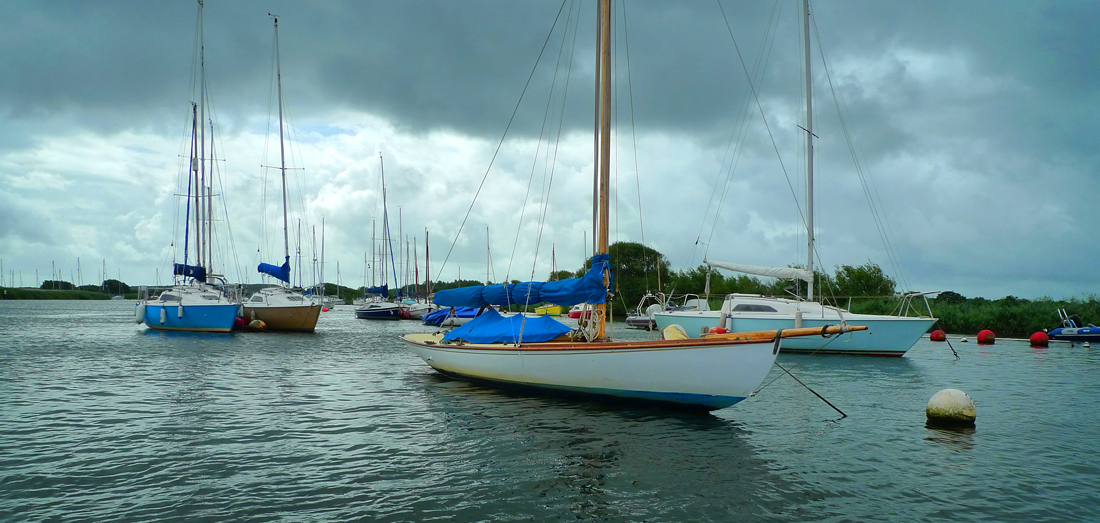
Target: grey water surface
102	420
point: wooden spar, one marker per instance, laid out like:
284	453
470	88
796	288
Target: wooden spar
715	340
605	150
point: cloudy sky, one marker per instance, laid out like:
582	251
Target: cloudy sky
973	126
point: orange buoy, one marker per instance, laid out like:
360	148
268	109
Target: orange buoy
986	337
937	335
1040	339
717	330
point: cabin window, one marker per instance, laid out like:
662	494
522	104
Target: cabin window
257	298
212	297
294	298
752	307
169	297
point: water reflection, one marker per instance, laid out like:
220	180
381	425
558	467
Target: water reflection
958	438
603	460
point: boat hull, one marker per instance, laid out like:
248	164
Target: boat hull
1075	334
285	319
692	374
217	317
641	322
379	313
885	335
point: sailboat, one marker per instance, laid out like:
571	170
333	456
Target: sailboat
539	352
280	307
198	300
886	335
383	309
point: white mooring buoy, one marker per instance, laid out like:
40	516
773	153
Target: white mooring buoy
951	407
1085	345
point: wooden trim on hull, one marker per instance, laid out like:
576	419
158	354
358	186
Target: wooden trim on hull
710	340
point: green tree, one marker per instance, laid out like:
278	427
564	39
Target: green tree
863	280
635	269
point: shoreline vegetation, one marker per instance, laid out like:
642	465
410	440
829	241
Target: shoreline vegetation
639	270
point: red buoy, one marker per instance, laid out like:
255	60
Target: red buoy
1040	339
986	337
324	309
937	335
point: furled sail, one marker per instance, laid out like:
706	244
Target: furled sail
384	290
281	272
189	271
586	289
789	273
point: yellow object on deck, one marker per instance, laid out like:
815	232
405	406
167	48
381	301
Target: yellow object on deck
674	332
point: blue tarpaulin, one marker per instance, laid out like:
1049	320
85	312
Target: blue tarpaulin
586	289
189	271
279	272
491	327
437	317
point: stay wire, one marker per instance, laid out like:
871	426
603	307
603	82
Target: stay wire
485	177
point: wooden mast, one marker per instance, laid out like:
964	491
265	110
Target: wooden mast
603	161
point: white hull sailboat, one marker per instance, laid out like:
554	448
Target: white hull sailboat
887	335
280	308
710	373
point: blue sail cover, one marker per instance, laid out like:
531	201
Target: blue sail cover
280	272
491	327
189	271
586	289
381	289
437	317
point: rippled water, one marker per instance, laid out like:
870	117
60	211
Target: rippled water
101	420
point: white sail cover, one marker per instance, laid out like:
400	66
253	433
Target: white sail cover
790	273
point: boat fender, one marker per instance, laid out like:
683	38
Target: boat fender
139	312
717	330
163	314
179	311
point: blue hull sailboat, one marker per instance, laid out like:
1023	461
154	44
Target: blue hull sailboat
197	301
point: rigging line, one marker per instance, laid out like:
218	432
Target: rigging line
500	144
884	233
760	107
736	141
738	149
634	138
842	414
557	142
534	164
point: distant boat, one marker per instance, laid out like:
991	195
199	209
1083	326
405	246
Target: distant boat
282	308
450	316
383	310
548	310
1073	329
197	302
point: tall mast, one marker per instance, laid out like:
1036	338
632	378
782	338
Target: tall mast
427	272
605	146
282	149
200	182
386	224
373	258
809	154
